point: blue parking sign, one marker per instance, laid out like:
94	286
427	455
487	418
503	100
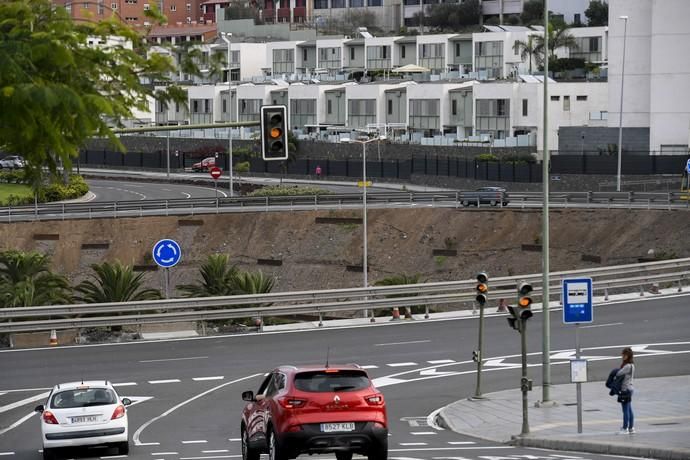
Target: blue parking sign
577	301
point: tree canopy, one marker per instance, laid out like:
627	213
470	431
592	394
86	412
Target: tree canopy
597	13
451	16
533	12
57	90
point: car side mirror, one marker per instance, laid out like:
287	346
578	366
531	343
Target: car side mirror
248	396
39	409
126	401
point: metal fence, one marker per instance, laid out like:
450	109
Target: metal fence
428	164
453	295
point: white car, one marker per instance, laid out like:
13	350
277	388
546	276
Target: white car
84	414
12	162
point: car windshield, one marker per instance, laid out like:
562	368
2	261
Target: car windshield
83	397
329	381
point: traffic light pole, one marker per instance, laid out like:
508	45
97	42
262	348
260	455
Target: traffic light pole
524	382
480	345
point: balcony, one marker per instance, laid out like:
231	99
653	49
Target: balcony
299	14
283	14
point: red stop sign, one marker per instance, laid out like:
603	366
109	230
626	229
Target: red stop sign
215	172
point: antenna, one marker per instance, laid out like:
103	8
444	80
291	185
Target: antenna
328	352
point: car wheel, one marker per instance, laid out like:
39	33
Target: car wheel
379	451
465	203
343	455
247	452
505	203
123	448
49	454
493	203
275	450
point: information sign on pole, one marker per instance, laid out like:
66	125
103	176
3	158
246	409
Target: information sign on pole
166	253
687	166
215	172
577	301
578	370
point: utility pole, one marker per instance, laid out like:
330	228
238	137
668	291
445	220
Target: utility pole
525	383
482	297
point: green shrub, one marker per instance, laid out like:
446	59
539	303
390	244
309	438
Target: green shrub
283	190
486	157
242	167
17	200
13	177
57	191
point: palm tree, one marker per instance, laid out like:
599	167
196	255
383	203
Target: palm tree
398	280
253	283
26	280
527	49
114	282
217	278
559	37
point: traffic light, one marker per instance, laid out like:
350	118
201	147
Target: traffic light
482	288
476	356
524	301
274	132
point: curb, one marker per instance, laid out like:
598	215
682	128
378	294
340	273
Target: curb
602	448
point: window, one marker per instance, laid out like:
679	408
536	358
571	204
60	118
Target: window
225	105
177	106
581	98
320	4
87	397
555	98
524	107
501	107
457	49
454	107
189	7
327	382
304	54
147	7
131	2
113	6
173	7
195	106
577	19
329	106
375	2
356	3
189	20
206	106
390	107
352	54
384	52
337	3
86	5
566	103
402	52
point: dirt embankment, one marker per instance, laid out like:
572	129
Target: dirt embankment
304	252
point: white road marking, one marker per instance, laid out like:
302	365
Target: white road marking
210	456
28	400
400	343
500	363
17	423
188	195
431	420
113	456
172	359
600	325
155	382
220	192
423	433
451	448
235	439
413	444
203	379
6	453
137	433
441	361
196	441
217	451
460	443
125	384
163	453
401	364
369	366
150	444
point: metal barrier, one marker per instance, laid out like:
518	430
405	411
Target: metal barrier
318	303
182	206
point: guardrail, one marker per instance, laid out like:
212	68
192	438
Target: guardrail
191	206
318	303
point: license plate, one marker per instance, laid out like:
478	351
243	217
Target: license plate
332	427
85	419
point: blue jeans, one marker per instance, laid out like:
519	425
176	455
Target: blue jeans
628	416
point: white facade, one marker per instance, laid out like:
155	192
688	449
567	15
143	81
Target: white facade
657	70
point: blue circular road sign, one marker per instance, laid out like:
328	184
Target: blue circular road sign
167	253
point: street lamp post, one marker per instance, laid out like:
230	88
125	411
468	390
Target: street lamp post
620	114
226	36
365	245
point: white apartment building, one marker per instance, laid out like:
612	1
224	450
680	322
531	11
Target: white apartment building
657	70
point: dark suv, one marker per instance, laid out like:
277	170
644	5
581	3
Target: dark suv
314	410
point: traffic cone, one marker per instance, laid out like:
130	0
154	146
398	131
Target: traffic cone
53	338
396	313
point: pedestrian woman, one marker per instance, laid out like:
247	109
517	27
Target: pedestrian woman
627	372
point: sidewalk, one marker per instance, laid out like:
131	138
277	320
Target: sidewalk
662	419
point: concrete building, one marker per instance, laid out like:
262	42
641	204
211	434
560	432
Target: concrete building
657	71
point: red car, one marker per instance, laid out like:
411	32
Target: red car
315	410
204	165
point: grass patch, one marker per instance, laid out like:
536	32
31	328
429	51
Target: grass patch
14	190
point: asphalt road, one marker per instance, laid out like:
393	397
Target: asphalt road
188	391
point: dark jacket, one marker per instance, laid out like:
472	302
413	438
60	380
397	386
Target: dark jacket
613	382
